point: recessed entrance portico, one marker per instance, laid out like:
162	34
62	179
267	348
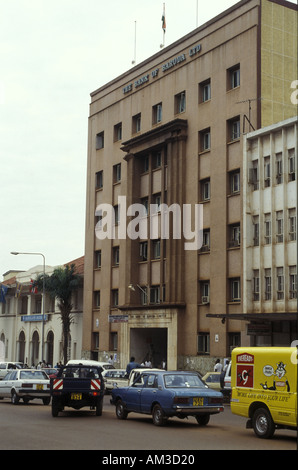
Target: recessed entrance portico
151	330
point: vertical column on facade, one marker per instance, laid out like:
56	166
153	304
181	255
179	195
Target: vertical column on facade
131	246
176	195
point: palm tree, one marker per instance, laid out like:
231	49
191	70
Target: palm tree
60	285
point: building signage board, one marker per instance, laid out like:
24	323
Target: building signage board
27	318
166	66
118	318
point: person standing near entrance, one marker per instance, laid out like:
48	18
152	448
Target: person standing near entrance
131	365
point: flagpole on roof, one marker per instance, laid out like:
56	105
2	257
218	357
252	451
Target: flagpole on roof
135	45
163	25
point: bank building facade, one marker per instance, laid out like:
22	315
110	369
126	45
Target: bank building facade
167	137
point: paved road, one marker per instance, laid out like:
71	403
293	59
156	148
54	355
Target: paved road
33	427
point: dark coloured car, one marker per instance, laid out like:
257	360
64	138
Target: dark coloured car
77	387
165	394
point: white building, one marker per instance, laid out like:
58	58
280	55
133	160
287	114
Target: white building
21	326
270	233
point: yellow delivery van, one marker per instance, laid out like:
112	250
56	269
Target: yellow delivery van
264	388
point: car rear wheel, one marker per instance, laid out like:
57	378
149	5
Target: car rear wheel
203	420
99	406
14	398
55	408
263	424
158	416
121	412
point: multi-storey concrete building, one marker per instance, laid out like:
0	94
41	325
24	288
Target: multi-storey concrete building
24	332
270	233
170	131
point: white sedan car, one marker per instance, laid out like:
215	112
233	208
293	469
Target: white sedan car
26	384
114	378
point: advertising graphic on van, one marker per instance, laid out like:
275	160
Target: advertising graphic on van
280	381
264	388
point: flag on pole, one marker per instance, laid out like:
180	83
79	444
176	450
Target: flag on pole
33	287
3	292
163	19
19	287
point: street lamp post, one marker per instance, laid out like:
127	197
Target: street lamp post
43	293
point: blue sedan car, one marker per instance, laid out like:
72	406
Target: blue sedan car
165	394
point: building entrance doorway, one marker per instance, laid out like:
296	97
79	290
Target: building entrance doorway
149	343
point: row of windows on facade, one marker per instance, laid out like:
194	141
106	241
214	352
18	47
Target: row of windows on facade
280	232
204	95
204	190
154	294
281	169
21	306
148	295
279	286
234	289
204	135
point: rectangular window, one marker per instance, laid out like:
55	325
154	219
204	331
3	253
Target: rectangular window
116	255
156	160
255	221
204	140
280	283
233	129
254	175
118	132
157	113
291	164
279	178
206	241
144	251
155	295
115	297
97	260
136	123
235	290
234	235
203	343
268	284
99	141
235	182
292	224
204	292
180	103
99	180
117	173
279	226
293	282
267	172
156	249
205	190
97	299
267	229
233	77
205	91
256	285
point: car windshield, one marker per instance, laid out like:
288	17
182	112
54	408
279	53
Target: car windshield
33	374
183	381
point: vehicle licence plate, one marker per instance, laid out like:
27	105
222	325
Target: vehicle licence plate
76	396
39	387
198	401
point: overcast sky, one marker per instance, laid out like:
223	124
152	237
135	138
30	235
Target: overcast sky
53	54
